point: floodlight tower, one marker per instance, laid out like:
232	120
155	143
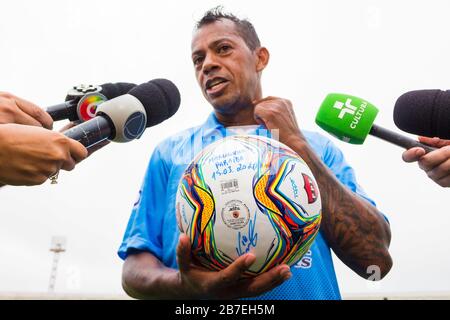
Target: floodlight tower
57	246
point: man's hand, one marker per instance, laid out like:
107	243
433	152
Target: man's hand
16	110
278	113
228	283
436	164
29	155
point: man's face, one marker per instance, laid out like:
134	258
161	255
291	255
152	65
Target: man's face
225	67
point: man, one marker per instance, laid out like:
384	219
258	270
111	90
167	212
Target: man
436	164
29	152
228	61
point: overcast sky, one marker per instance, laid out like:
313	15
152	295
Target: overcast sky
373	49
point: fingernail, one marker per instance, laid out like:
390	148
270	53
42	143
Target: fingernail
249	260
286	274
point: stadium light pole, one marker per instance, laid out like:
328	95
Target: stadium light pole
57	246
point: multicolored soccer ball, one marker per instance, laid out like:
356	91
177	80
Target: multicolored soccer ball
248	194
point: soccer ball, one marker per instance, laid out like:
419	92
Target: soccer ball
244	194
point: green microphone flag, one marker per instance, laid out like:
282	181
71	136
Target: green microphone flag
351	119
346	117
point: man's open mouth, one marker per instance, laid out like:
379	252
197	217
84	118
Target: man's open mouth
214	83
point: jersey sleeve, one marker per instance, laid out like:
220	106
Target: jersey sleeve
144	229
334	159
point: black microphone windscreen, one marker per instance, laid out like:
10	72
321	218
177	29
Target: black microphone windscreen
160	98
113	90
424	112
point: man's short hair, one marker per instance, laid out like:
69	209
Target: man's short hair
244	28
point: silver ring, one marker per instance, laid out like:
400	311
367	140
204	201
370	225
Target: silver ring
54	177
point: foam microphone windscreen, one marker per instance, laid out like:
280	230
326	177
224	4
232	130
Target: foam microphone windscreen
424	112
112	90
160	98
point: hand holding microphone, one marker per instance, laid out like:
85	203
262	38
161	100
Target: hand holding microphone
30	155
436	164
29	152
427	113
351	119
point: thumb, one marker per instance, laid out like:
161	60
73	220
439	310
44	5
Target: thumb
259	120
184	253
413	154
258	113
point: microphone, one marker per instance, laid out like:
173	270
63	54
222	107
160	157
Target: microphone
351	119
424	112
125	118
82	101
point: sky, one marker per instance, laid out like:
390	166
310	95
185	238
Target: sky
376	50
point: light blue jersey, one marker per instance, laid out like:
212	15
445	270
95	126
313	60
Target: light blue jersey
152	226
